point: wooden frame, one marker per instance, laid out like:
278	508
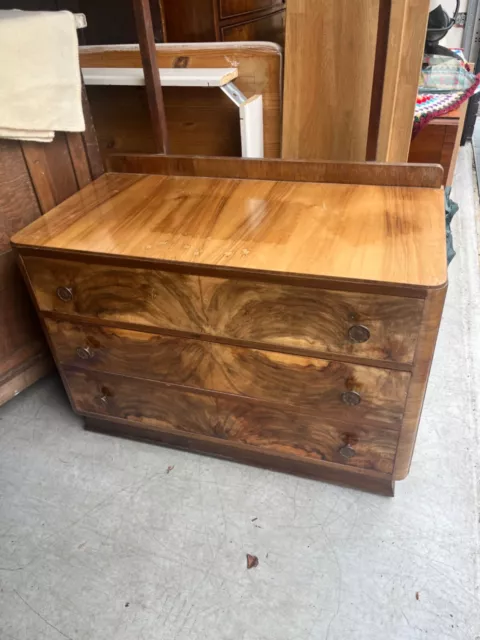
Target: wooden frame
250	110
200	121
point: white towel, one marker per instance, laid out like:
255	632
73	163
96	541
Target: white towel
40	81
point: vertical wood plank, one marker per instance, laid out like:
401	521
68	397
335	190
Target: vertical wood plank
90	140
23	353
329	65
79	159
378	78
143	19
408	23
51	171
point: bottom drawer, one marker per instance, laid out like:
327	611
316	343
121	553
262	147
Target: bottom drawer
157	406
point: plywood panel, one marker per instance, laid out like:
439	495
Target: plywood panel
329	62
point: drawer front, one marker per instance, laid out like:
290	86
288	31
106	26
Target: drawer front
270	28
370	326
307	384
230	8
232	419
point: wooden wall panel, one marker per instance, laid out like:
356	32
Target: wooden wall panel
23	353
34	177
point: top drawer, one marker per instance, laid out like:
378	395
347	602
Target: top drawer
230	8
302	318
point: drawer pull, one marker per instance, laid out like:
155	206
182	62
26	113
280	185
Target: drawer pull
358	333
85	353
104	400
351	398
347	452
65	294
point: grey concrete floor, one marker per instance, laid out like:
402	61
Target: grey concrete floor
99	541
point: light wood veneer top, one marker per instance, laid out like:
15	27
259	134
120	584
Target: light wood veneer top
356	232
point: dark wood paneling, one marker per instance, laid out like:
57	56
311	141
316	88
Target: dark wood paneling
90	141
379	72
23	353
200	120
384	174
307	384
51	171
20	336
269	28
229	8
18	204
113	21
34	177
79	159
316	320
154	405
436	144
187	21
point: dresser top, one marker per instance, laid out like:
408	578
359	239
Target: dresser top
356	232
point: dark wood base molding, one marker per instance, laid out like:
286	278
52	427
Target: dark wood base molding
363	480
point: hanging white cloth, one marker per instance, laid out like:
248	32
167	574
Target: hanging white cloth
40	81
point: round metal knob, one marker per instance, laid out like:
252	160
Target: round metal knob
65	294
358	333
347	452
85	353
351	398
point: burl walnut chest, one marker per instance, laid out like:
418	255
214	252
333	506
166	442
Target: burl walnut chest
290	324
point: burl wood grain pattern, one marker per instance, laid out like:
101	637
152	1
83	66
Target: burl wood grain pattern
320	230
287	432
292	317
306	384
340	474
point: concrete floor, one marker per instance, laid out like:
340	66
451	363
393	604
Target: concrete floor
99	541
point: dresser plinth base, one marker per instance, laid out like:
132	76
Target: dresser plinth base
363	480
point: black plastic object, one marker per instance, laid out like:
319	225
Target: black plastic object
451	209
439	24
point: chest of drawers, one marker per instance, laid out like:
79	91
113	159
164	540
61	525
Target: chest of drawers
287	324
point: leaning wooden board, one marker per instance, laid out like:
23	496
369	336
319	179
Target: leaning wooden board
200	120
290	324
348	96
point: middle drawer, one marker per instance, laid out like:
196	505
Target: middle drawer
339	390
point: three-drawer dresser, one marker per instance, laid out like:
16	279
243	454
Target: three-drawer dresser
275	313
